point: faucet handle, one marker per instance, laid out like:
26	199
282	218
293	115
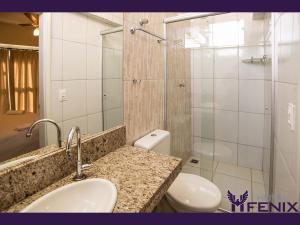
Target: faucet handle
86	166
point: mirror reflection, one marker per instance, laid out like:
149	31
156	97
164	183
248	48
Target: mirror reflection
112	53
72	76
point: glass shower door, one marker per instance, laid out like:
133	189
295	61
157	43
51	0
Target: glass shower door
190	124
219	94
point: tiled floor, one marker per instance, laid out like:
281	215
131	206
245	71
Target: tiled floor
229	177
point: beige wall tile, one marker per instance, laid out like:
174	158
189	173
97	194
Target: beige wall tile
144	101
143	61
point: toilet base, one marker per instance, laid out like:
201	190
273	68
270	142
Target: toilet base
178	208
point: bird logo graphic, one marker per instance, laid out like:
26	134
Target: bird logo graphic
237	202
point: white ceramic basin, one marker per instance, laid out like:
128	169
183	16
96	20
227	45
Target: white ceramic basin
91	195
15	162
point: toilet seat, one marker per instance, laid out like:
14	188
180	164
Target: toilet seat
193	193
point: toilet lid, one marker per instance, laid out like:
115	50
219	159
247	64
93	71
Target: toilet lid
195	192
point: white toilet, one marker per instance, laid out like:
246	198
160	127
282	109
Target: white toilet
189	192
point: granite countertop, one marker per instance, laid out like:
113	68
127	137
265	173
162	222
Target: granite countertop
142	178
38	152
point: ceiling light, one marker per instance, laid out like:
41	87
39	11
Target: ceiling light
36	32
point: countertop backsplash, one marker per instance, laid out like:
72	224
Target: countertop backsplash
29	177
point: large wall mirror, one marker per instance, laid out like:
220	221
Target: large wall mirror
63	66
112	79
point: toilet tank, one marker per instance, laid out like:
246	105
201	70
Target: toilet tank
158	141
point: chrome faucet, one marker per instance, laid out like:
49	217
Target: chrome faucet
29	131
79	175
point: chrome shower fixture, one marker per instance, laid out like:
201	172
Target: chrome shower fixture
143	21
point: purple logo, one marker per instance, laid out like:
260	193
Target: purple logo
260	206
237	202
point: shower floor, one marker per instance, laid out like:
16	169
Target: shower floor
227	176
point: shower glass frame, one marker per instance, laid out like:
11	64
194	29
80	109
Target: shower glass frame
177	19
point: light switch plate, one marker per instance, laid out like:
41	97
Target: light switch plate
62	95
291	116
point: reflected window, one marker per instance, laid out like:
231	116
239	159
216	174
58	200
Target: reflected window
225	33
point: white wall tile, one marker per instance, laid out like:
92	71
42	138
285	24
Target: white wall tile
93	32
75	106
268	66
251	96
203	147
118	55
286	138
226	125
202	93
56	105
74	60
225	152
203	123
286	150
207	62
286	27
94	62
268	96
94	123
81	122
76	55
56	59
74	27
112	93
225	30
296	28
56	25
267	131
117	17
251	127
226	63
285	186
288	48
113	117
288	71
251	70
250	157
113	41
197	59
203	63
52	134
110	64
226	94
94	96
251	30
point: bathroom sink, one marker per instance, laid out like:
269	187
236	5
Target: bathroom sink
91	195
15	162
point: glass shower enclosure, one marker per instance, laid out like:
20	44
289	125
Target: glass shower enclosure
218	99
